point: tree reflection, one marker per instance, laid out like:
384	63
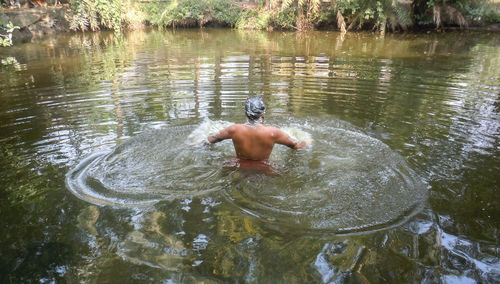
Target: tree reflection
433	98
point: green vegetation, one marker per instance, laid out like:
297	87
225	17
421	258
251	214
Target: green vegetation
115	14
454	12
374	14
109	14
5	35
6	38
255	19
192	13
344	15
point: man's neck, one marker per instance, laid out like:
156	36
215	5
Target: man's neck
254	123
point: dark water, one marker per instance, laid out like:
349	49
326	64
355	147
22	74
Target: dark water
104	178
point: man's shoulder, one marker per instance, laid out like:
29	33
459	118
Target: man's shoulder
271	129
235	127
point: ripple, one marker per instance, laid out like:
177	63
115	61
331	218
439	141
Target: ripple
346	181
150	167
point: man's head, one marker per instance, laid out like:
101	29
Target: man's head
255	108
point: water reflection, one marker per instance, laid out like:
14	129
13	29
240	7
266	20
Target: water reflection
431	98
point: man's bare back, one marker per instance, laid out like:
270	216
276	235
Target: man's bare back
253	140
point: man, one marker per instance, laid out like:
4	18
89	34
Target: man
253	140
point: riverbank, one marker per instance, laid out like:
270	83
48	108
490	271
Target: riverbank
36	22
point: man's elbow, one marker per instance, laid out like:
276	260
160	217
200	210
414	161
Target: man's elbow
212	139
300	145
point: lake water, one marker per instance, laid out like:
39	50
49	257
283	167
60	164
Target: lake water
105	177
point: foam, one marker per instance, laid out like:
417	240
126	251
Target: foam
348	181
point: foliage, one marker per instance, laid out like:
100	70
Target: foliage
153	12
308	12
479	12
110	14
92	14
225	11
378	14
390	14
6	30
454	12
6	39
11	61
186	13
346	15
191	13
255	20
263	19
133	17
286	18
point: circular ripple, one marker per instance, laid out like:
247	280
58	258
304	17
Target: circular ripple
346	181
156	165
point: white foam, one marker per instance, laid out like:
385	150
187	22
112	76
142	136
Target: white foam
298	134
347	182
206	128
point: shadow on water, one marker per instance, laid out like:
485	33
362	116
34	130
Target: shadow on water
387	114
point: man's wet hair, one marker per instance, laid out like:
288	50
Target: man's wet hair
255	108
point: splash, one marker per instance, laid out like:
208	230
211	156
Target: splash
156	165
348	181
206	128
298	134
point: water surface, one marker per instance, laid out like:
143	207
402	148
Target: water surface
105	179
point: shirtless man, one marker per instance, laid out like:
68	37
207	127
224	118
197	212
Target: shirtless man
253	140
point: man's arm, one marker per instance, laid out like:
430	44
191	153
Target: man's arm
224	134
283	139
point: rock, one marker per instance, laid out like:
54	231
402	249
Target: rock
23	18
43	27
62	18
21	35
3	18
23	3
38	21
17	3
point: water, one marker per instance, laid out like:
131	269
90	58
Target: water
345	181
105	178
